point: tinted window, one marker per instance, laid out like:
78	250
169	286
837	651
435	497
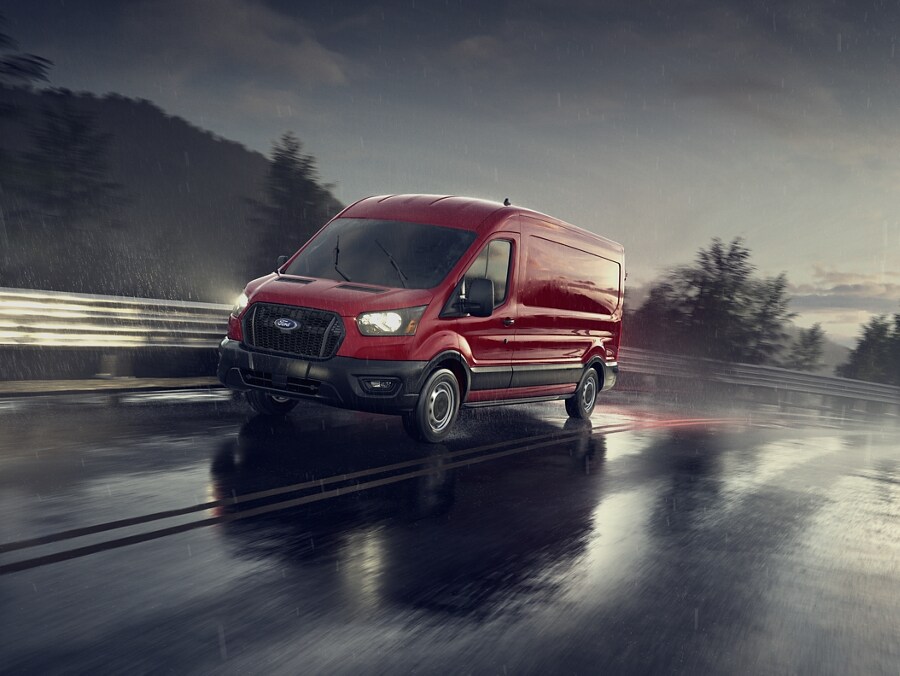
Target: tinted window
560	276
385	253
492	262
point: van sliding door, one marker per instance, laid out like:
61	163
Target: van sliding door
563	314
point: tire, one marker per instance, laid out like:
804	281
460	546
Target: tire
270	404
581	405
436	409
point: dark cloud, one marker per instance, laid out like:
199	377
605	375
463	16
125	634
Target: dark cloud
238	39
837	290
857	299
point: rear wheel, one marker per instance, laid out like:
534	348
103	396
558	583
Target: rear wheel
270	404
436	409
581	405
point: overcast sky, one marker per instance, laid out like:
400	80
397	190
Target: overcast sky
657	124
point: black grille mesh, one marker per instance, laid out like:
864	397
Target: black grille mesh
318	335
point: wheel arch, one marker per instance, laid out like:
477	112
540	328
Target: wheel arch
456	364
607	372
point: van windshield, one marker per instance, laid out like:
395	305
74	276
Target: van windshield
383	253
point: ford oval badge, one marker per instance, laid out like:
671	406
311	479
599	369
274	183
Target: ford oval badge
286	324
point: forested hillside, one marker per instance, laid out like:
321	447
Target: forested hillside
112	195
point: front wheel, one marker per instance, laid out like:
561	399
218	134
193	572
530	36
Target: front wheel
582	403
436	409
270	404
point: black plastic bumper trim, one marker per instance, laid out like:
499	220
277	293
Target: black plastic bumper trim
335	381
531	375
610	374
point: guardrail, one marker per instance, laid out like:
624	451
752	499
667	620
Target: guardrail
56	319
108	324
646	363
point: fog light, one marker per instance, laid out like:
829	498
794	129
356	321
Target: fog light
379	385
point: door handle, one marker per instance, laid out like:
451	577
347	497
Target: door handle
509	321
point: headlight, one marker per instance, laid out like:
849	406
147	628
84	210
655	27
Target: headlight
390	323
240	304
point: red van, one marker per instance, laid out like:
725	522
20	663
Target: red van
419	304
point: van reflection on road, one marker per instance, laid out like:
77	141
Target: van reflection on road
587	448
458	535
272	457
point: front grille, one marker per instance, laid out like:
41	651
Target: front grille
318	335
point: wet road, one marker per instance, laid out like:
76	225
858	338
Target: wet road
180	534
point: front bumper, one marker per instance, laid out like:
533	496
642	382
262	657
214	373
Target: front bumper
339	381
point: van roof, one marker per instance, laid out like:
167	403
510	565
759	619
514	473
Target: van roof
461	212
449	210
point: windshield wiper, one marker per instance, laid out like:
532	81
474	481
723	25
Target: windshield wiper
400	274
337	253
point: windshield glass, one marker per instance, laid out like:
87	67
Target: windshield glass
384	253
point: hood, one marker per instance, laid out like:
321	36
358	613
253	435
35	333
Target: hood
345	298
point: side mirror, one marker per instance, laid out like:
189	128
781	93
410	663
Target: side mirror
281	260
480	298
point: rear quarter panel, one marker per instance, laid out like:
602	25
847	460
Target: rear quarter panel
570	295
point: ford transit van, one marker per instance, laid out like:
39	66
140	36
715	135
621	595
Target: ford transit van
420	305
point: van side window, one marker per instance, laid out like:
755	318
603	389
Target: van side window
493	263
591	283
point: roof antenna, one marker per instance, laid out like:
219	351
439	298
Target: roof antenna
506	202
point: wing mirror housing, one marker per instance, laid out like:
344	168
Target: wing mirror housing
480	298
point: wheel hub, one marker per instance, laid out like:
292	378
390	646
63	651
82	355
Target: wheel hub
440	407
588	393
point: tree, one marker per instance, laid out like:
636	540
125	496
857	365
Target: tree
876	357
806	352
16	68
67	174
297	204
769	315
717	309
